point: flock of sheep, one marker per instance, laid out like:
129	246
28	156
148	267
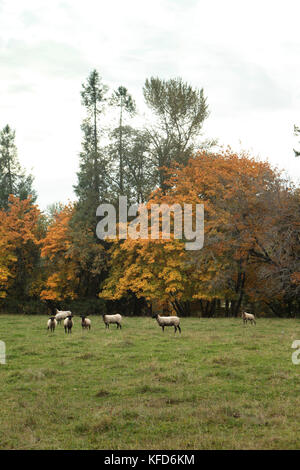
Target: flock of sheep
67	318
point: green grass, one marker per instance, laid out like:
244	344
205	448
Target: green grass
219	385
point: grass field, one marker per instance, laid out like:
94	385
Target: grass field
219	385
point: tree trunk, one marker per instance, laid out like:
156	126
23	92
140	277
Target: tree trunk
227	308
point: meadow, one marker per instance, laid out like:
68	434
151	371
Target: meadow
218	385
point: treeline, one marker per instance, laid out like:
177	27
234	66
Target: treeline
251	249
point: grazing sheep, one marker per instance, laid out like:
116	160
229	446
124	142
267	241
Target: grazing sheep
248	316
168	321
51	324
61	315
85	322
112	319
68	324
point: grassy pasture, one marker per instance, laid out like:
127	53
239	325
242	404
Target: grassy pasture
219	385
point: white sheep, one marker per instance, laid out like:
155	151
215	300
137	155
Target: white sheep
85	322
51	324
68	324
168	321
248	316
117	318
61	315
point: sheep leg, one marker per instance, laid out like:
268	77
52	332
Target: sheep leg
175	329
163	328
179	329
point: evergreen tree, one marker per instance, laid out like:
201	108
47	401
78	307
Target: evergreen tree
124	101
13	179
93	175
92	189
139	174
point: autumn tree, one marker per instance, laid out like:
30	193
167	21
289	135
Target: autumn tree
62	280
276	256
20	232
73	258
235	191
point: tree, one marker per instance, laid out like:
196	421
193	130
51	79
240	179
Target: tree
236	191
73	258
139	174
180	111
20	233
92	185
13	179
61	276
277	253
124	101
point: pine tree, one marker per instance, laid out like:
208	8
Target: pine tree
13	179
93	175
92	189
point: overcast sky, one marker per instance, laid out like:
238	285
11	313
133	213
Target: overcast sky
245	54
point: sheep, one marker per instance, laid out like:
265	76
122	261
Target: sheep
51	324
112	319
85	322
61	315
248	316
168	321
68	324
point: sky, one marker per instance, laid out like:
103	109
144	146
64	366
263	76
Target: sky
246	56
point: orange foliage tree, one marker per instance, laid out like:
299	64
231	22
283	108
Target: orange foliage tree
61	277
72	257
235	190
20	232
